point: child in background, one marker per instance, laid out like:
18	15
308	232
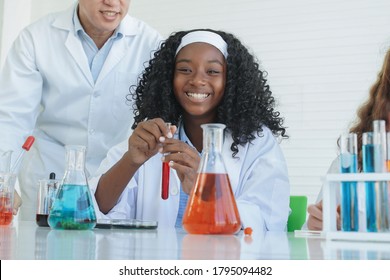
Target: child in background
198	77
376	107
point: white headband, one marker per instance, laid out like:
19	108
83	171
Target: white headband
204	37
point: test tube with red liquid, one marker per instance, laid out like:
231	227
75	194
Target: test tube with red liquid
165	175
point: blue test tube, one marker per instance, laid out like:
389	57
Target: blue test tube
368	167
349	197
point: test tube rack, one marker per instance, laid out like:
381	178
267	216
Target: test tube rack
331	184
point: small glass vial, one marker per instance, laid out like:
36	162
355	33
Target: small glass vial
73	207
47	190
211	207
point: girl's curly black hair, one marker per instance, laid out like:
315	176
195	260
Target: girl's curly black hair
247	103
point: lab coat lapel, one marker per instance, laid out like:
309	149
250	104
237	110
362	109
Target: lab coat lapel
72	43
76	50
117	52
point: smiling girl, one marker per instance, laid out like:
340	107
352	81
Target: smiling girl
198	77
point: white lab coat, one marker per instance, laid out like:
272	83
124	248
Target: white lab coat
258	177
47	89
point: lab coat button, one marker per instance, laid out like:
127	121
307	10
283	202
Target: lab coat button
92	131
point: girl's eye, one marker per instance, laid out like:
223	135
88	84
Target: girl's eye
212	71
183	70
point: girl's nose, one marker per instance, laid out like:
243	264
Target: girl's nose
198	79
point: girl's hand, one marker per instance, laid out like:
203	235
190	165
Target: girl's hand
146	139
184	159
315	222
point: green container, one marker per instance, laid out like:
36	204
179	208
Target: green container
297	218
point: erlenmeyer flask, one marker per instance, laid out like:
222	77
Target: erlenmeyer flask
212	208
73	207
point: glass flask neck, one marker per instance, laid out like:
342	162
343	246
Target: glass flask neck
213	137
75	158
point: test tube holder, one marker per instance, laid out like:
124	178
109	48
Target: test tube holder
331	184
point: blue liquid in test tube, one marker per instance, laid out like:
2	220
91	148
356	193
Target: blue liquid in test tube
349	197
368	167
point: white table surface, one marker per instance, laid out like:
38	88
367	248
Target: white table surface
25	240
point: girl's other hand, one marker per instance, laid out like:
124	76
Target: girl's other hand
184	159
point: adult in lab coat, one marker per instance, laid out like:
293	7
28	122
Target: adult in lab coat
195	79
65	81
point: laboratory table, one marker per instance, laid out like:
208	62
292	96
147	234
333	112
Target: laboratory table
25	241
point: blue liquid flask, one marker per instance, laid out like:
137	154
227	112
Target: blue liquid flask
368	167
349	197
73	207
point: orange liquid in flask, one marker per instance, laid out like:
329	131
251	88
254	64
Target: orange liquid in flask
212	208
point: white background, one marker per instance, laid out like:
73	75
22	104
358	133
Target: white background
321	57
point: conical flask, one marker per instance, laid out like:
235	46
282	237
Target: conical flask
73	206
212	208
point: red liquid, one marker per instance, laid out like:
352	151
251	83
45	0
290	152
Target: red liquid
5	211
212	207
165	180
5	218
41	220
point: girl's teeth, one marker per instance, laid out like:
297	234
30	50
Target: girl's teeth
198	95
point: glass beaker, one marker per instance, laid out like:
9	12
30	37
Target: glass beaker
7	188
212	208
47	190
73	207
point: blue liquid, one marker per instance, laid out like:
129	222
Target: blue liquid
73	209
368	167
349	201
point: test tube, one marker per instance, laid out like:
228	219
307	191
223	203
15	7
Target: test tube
368	167
26	147
388	170
388	151
349	199
381	191
165	175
